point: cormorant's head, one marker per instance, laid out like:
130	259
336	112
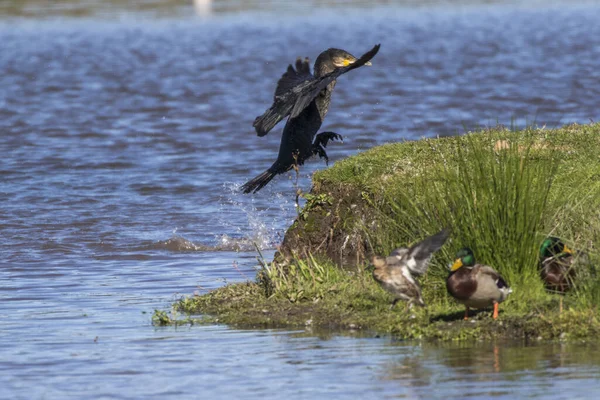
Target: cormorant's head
331	59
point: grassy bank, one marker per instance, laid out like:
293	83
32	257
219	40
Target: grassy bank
501	192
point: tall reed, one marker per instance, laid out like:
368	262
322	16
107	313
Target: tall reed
492	191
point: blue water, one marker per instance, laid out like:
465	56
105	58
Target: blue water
124	139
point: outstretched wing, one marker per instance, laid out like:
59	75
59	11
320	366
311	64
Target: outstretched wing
418	256
296	94
291	79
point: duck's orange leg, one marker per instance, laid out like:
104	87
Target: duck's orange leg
495	310
466	313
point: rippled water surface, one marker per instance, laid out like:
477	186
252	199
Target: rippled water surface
125	134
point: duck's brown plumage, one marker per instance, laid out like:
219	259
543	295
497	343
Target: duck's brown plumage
558	273
392	277
460	284
478	287
475	285
396	273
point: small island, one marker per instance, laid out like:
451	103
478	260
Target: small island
500	191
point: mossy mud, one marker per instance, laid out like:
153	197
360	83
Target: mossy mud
500	191
245	306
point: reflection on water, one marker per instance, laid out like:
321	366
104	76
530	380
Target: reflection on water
497	370
123	145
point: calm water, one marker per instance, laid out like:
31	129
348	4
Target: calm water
125	134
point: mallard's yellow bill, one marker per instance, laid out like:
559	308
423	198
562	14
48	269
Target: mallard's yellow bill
457	264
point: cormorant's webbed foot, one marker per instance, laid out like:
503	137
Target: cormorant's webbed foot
324	137
321	141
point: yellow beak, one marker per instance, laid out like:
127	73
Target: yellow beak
457	264
348	61
567	250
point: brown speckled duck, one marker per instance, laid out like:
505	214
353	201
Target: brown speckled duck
396	273
475	285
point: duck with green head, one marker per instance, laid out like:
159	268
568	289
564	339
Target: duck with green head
475	285
556	265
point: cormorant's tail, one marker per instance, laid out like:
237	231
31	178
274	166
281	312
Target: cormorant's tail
254	185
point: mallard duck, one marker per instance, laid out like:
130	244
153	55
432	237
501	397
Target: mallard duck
396	273
556	265
475	285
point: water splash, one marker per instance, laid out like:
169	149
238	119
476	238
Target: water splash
265	225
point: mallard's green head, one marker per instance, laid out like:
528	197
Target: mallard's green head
464	257
552	247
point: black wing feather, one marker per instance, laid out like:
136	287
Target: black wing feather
293	77
299	93
281	107
501	283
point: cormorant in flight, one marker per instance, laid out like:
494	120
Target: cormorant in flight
305	98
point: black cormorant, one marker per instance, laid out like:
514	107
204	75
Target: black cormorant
305	98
